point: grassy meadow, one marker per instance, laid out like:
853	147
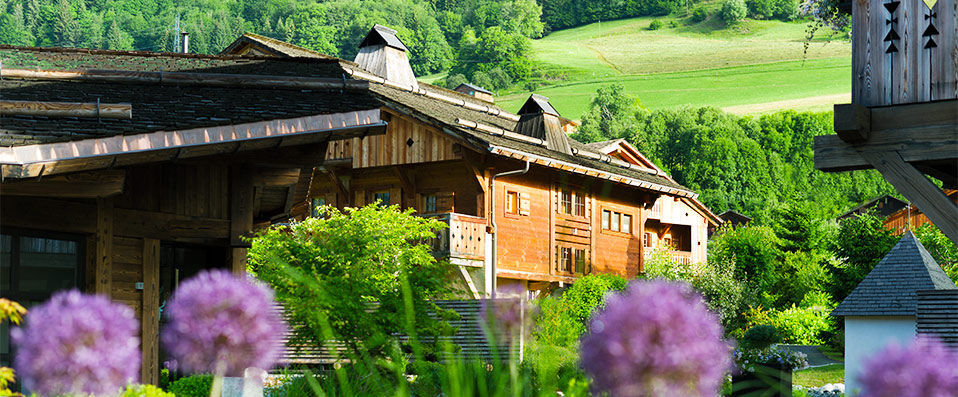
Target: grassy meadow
754	67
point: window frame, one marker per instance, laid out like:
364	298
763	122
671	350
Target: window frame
511	203
576	205
426	198
565	201
619	218
380	193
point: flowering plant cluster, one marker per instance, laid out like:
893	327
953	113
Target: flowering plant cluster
825	13
746	360
656	338
223	324
77	344
924	368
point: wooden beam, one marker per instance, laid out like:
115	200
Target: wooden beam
272	176
83	185
67	109
190	78
852	122
150	319
104	246
48	214
343	191
918	189
164	226
473	163
927	143
241	215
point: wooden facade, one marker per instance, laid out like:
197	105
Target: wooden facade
903	119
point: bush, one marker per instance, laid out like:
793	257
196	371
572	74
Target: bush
761	337
145	391
562	320
192	386
772	9
723	293
454	80
799	325
733	11
700	14
655	25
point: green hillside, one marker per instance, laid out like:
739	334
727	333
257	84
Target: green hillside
755	63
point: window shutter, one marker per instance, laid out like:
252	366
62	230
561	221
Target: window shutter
525	204
446	202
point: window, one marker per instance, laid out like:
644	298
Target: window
579	204
512	203
383	198
565	202
33	265
429	203
580	261
317	203
647	239
668	242
616	221
565	259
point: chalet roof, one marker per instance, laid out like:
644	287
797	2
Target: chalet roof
271	45
537	104
161	107
474	88
734	217
890	289
381	35
892	204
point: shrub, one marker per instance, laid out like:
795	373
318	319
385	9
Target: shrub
724	294
772	9
761	336
145	391
655	25
700	14
799	325
733	11
192	386
454	80
562	320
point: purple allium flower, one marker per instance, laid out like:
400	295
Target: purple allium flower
222	323
78	344
656	338
509	315
924	368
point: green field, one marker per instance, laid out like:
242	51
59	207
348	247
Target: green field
757	66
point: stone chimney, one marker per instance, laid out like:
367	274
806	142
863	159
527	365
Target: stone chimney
538	119
383	54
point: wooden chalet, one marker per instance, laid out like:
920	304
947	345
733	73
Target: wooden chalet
524	203
910	217
903	119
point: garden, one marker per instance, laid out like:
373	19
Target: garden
363	278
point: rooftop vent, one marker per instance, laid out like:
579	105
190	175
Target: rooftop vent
383	54
476	91
538	119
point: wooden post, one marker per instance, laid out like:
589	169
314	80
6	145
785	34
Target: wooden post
104	246
150	321
241	215
643	213
918	189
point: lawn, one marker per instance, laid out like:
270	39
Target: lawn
819	376
721	87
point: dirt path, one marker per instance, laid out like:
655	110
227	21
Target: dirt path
800	103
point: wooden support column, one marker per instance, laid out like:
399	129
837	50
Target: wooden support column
104	246
150	321
643	213
918	189
241	215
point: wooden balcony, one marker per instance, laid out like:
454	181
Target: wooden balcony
682	257
463	242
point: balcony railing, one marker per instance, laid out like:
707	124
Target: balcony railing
464	239
682	257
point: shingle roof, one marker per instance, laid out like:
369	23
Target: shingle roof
278	46
380	34
474	88
161	107
536	104
890	288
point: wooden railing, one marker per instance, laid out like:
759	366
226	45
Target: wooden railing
465	238
682	257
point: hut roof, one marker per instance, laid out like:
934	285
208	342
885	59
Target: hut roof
890	289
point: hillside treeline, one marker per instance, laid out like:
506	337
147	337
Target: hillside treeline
561	14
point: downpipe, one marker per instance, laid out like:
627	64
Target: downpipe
492	218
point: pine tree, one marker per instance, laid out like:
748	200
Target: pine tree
117	39
67	27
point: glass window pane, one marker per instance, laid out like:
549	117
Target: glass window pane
605	219
580	204
6	255
47	265
615	221
566	202
580	261
626	223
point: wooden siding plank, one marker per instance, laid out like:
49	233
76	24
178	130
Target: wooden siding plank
149	321
104	246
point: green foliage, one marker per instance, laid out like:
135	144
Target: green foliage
733	11
940	247
725	295
494	48
611	115
799	274
145	391
455	80
761	336
192	386
562	320
861	243
13	312
342	275
783	10
754	249
699	14
655	24
560	14
805	324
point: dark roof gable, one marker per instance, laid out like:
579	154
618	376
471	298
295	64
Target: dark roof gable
474	88
537	104
890	289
